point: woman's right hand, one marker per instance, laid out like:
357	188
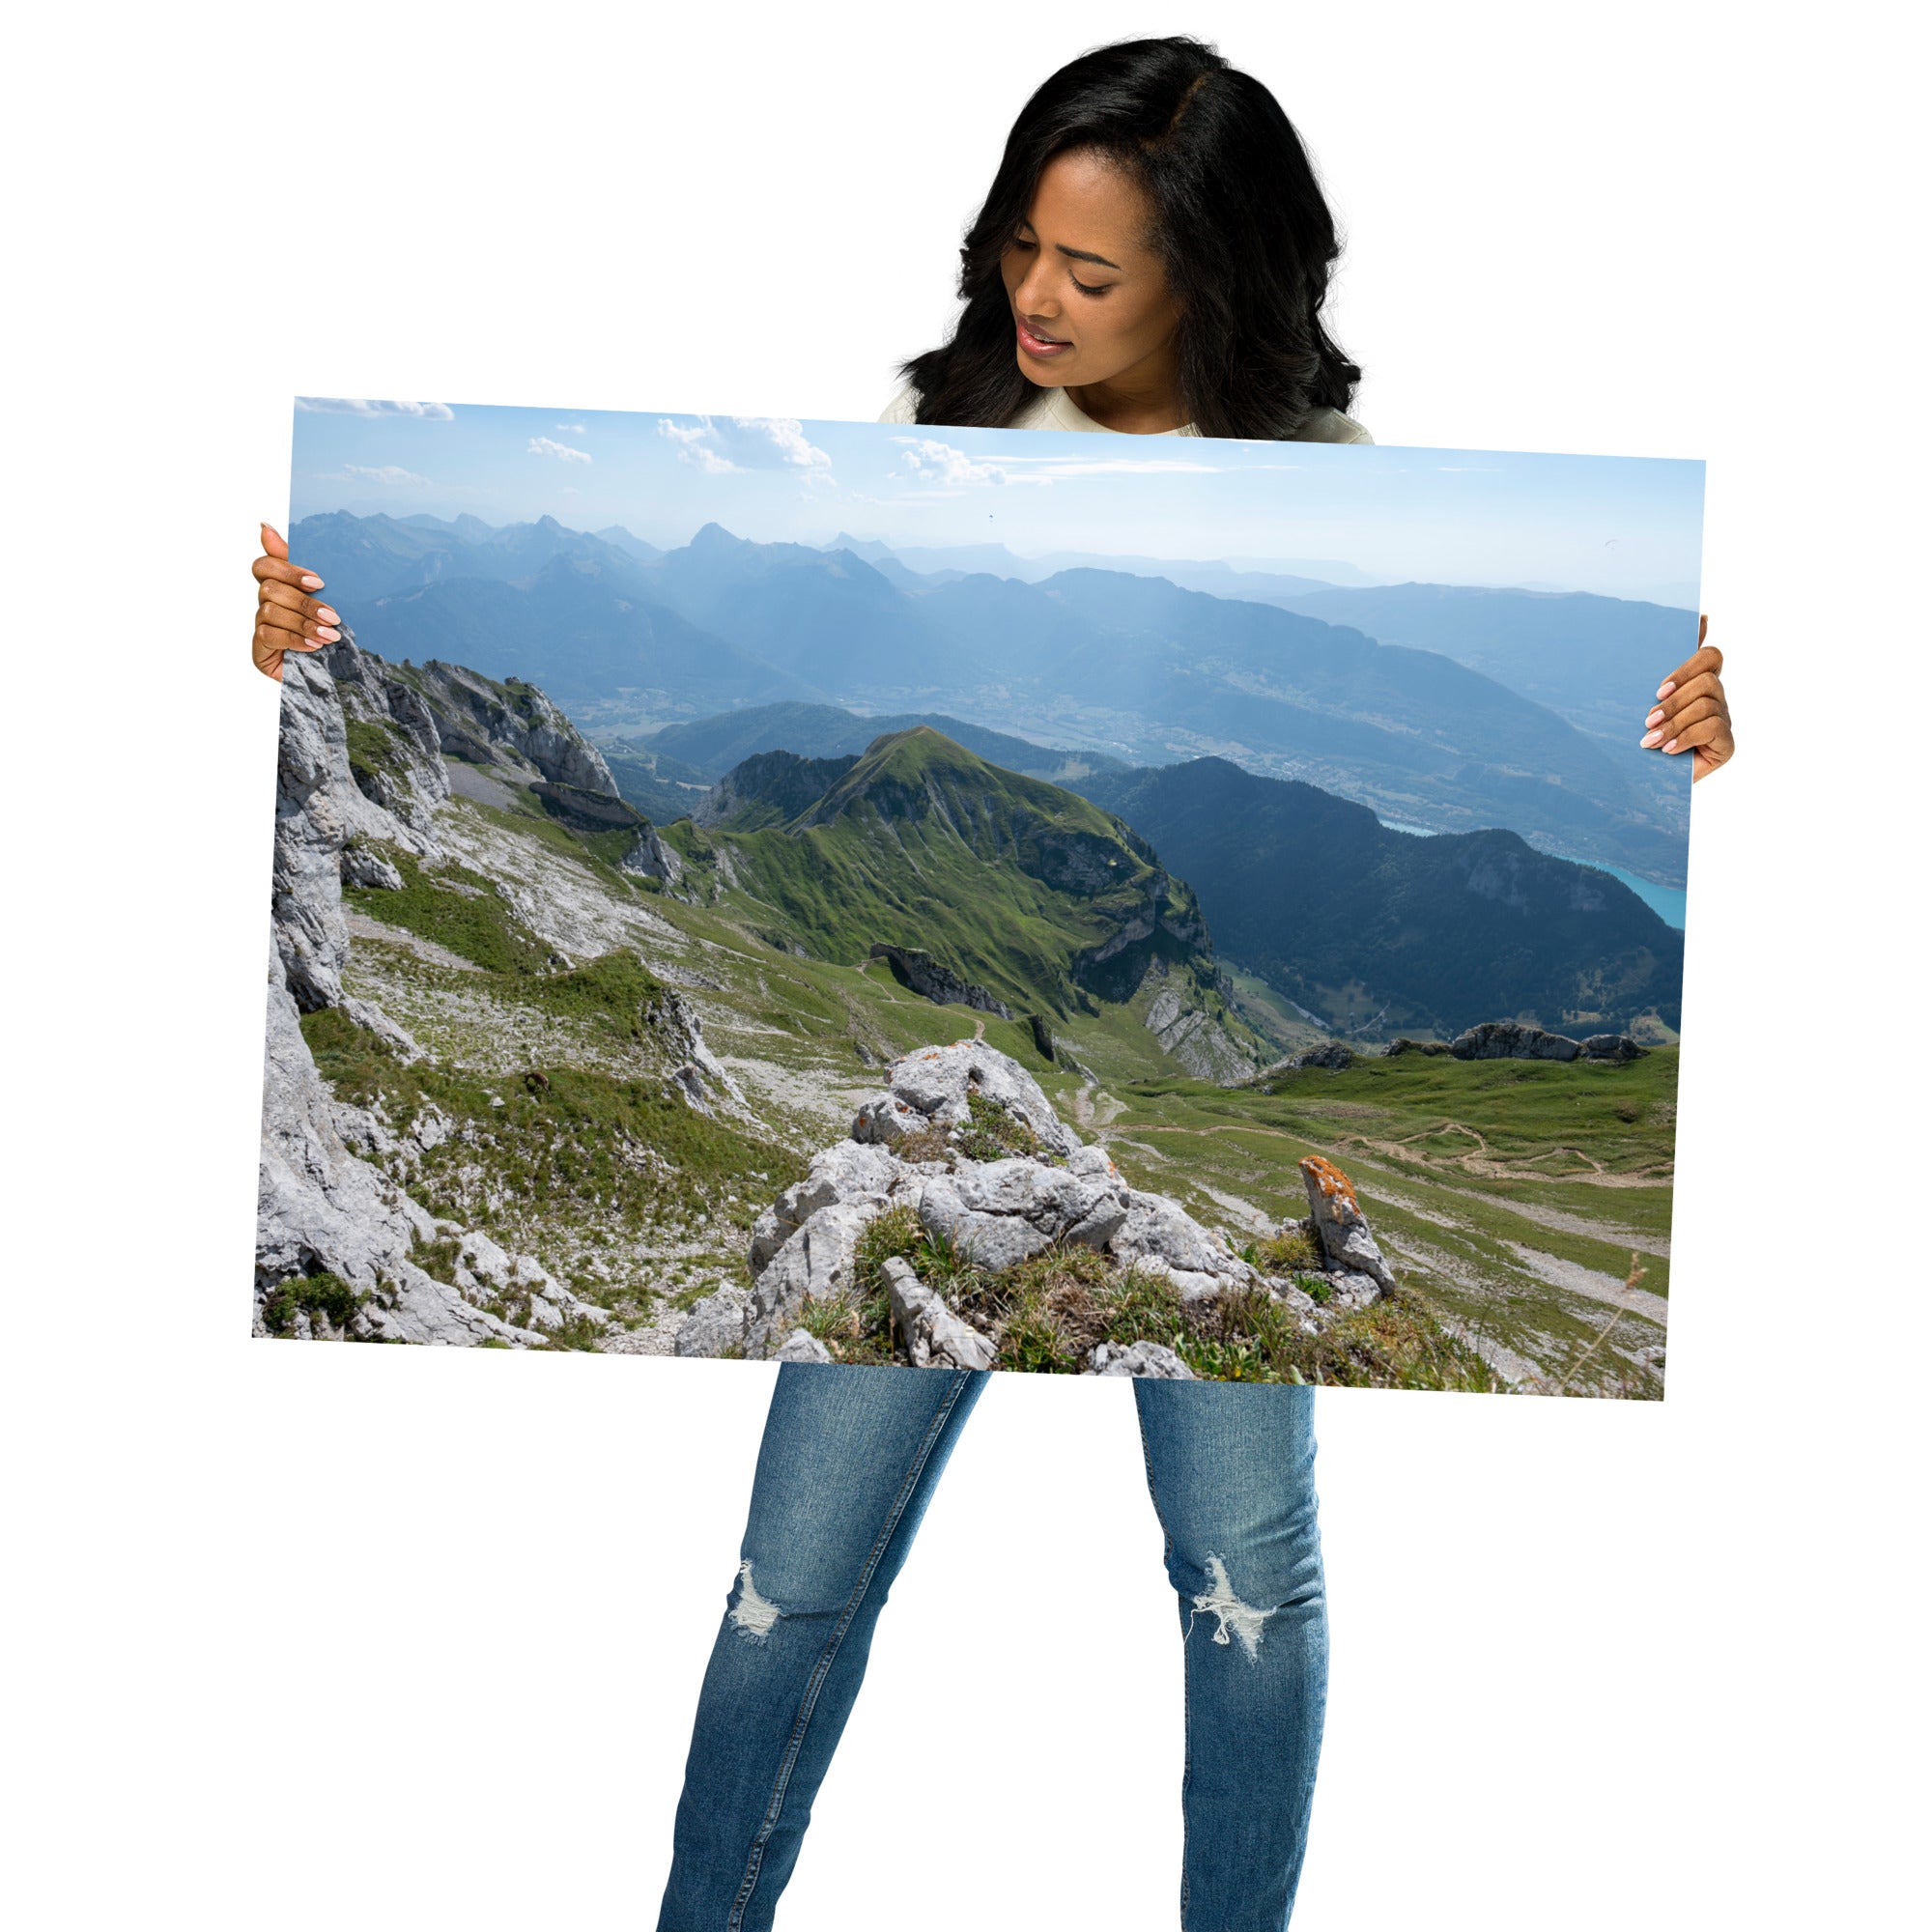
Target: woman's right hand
287	619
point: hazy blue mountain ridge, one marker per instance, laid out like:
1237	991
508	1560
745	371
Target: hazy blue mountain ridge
1093	659
1341	914
711	746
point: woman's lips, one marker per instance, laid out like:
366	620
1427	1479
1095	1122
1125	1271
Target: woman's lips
1044	347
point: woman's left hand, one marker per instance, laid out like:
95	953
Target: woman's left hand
1691	713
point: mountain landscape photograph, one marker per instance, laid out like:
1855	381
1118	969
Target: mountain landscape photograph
851	894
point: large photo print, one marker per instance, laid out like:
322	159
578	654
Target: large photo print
890	895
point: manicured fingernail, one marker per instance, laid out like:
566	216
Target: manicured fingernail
1654	718
1665	689
1653	738
326	635
311	583
328	617
1672	746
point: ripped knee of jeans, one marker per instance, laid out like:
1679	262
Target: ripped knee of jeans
752	1615
1234	1621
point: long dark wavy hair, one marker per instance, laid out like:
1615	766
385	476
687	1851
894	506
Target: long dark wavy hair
1242	232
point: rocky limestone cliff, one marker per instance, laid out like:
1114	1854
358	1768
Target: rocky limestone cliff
1179	1016
509	724
341	1249
920	973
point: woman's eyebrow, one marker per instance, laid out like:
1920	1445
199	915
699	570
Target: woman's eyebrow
1087	255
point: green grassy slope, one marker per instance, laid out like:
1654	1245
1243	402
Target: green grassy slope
1013	883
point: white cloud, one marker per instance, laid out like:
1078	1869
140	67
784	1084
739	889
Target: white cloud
693	440
935	462
572	429
717	445
389	472
351	405
542	446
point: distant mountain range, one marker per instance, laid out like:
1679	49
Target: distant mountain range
920	567
1343	916
1133	667
711	746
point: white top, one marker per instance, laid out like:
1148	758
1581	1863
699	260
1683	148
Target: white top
1055	409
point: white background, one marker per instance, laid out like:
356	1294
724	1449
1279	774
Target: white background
308	1636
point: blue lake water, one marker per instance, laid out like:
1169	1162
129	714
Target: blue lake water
1666	901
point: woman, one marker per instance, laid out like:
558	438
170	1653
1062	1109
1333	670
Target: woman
1152	258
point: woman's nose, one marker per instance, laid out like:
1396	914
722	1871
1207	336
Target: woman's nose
1034	295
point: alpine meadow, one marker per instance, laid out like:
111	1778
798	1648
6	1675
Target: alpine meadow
1178	908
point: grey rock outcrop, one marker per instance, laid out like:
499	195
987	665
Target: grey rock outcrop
652	858
996	1214
922	974
999	1213
800	1345
1343	1229
1507	1039
1139	1358
371	1018
715	1324
1407	1045
1331	1054
393	750
1190	1032
1159	1234
586	810
335	803
932	1085
511	724
699	1077
1616	1047
935	1337
817	1261
844	1172
361	867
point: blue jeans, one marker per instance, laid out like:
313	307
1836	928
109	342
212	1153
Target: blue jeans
850	1459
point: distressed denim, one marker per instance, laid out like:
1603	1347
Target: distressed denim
850	1459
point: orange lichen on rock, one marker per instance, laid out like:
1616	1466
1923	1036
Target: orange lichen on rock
1335	1185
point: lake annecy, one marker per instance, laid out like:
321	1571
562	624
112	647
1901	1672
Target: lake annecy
1666	901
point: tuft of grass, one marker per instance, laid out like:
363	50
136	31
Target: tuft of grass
1286	1252
1394	1342
325	1294
897	1233
924	1144
579	1332
993	1133
375	750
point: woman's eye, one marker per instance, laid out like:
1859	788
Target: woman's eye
1096	288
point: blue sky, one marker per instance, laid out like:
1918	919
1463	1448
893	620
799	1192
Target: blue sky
1623	527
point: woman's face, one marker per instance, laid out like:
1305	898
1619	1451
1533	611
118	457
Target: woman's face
1091	301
